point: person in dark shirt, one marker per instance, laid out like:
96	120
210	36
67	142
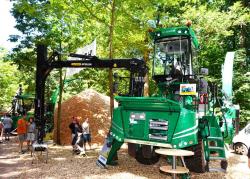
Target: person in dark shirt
75	128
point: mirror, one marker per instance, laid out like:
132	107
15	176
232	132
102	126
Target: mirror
204	71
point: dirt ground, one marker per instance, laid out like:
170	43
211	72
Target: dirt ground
63	164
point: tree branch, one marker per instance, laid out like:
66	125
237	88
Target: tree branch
93	15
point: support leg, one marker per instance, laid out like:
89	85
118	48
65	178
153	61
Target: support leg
113	152
174	166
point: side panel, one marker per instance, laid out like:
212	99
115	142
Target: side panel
157	126
186	131
158	120
117	126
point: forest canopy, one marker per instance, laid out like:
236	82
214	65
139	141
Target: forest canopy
65	25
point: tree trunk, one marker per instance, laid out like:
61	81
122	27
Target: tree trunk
242	36
59	109
111	32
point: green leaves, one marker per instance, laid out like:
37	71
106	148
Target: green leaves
221	26
9	80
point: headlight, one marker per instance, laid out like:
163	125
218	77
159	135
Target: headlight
138	116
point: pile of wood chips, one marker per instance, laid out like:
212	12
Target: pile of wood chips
87	104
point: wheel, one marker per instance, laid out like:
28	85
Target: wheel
146	155
240	148
197	162
224	164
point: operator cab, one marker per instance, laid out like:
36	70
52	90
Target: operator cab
173	53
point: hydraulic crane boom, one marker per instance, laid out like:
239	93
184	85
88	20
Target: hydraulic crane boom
45	65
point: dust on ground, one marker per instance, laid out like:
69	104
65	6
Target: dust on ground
63	164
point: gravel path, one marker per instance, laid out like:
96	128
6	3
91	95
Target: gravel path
11	163
62	164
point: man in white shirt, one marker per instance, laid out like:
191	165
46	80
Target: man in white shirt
86	133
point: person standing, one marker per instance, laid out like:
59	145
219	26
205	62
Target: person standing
86	133
74	127
21	131
79	141
248	155
1	132
31	132
7	122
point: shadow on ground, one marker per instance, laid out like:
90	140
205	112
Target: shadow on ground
63	164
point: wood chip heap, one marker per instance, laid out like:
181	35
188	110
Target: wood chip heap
87	104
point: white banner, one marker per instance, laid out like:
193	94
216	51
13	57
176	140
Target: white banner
87	50
227	74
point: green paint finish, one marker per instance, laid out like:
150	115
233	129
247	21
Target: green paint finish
184	100
186	130
155	119
148	103
229	114
140	129
206	149
176	31
116	145
169	118
214	143
117	125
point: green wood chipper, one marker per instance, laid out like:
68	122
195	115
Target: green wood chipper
179	115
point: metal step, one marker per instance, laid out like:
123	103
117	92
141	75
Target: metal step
215	138
215	148
217	170
217	158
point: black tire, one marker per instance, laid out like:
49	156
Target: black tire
240	148
197	162
146	155
224	164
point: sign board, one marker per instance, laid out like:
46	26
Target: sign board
187	89
102	159
87	50
204	71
